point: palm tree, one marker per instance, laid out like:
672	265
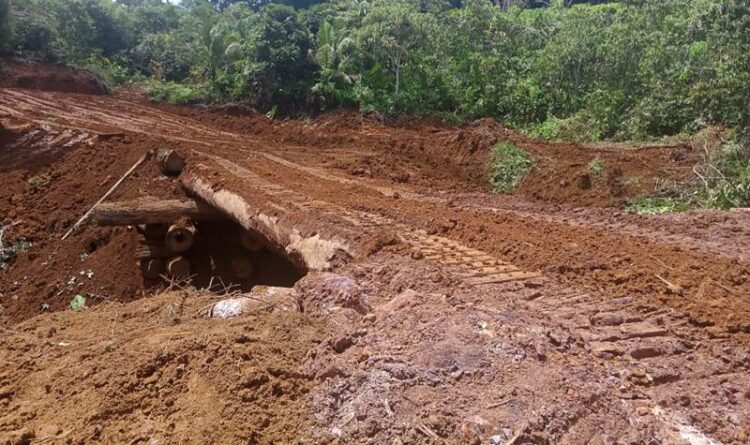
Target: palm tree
333	53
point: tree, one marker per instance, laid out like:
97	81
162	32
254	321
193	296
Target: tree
275	65
333	54
390	31
5	31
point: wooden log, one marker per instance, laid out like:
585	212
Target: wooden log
152	267
154	211
181	236
178	268
251	241
153	231
170	162
147	249
241	267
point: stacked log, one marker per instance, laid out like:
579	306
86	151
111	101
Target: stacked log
169	230
160	251
179	268
181	236
170	162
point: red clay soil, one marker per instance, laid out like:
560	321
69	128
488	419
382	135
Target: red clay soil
151	371
635	331
431	153
44	77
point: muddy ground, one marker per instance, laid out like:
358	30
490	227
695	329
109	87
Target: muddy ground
453	316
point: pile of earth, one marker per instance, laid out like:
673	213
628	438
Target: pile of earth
431	153
46	77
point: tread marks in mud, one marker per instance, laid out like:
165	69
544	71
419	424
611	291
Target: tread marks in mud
474	267
653	358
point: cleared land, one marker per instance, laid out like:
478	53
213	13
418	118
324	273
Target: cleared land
437	313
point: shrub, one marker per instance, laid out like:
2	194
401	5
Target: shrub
657	205
508	167
177	93
727	178
597	167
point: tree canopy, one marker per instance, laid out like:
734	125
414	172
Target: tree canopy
565	69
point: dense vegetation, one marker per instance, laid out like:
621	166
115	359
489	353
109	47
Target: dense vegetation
633	69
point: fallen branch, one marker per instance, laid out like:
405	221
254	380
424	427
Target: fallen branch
673	288
106	195
728	290
661	262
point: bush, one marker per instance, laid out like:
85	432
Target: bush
5	31
727	178
597	167
657	205
177	93
508	167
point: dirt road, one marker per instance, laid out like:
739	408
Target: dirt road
446	315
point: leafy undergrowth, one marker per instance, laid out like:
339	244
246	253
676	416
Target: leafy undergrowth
657	206
10	250
176	93
509	166
723	182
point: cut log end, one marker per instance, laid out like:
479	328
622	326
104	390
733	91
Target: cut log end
241	267
152	267
178	268
170	162
181	236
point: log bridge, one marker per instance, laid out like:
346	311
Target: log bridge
169	227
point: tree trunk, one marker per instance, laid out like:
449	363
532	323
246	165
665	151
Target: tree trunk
398	78
153	211
170	162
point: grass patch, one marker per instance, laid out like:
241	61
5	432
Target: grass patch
508	167
657	206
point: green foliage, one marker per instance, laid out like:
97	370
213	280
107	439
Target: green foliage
727	178
176	93
597	167
508	167
333	54
5	30
657	205
9	251
78	303
636	69
276	69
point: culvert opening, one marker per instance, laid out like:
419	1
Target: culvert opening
216	255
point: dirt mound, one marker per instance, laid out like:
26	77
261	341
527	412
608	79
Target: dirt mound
46	77
49	178
139	373
435	154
